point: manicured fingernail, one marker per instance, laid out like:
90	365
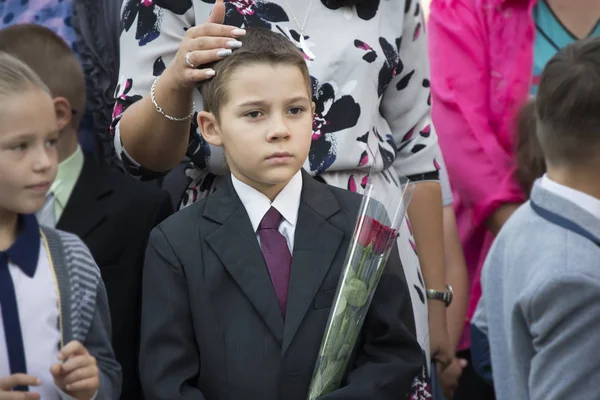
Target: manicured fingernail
38	382
238	32
223	52
234	44
210	72
60	356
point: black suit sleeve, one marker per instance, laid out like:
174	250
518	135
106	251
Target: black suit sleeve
390	356
169	358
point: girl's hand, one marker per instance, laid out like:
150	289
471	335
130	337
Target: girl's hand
8	383
78	374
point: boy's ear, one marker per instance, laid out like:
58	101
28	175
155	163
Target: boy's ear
313	106
207	122
64	113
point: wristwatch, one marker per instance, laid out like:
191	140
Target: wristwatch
445	296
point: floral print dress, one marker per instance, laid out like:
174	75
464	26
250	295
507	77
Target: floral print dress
370	75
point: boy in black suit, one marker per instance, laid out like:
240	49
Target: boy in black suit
112	213
238	287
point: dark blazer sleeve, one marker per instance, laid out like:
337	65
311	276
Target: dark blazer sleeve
168	353
390	357
98	345
164	209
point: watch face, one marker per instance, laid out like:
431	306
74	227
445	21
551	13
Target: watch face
449	294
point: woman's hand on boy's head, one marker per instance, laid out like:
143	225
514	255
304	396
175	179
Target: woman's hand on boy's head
8	383
78	373
201	45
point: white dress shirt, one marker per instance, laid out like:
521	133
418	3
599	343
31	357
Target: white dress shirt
287	203
38	313
583	200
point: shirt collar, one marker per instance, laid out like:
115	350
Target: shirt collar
583	200
25	251
257	204
66	177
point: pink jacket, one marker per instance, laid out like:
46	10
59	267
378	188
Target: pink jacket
481	69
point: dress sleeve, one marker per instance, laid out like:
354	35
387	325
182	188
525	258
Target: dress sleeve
406	104
481	170
447	197
149	41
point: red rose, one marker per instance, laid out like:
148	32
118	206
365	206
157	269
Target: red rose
376	234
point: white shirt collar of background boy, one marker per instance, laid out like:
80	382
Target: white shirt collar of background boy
585	201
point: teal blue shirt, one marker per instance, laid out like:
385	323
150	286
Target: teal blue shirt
550	36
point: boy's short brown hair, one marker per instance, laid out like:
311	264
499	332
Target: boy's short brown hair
51	58
258	46
568	105
529	156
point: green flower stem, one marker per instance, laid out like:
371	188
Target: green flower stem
377	275
344	323
364	259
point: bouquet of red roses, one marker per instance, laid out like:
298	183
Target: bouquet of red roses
381	213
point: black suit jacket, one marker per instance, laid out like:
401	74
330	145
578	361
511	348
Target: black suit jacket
211	325
113	214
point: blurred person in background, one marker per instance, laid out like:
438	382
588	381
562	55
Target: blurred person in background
486	58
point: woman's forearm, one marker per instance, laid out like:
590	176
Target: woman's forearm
426	217
425	213
154	141
456	276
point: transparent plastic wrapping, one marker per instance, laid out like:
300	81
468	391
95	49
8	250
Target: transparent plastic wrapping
382	210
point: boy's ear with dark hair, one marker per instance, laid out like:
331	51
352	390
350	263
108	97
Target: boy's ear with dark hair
208	124
64	112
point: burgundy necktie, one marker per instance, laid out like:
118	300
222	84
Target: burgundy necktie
277	255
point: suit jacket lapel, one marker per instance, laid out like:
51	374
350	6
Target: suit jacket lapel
236	245
316	242
82	213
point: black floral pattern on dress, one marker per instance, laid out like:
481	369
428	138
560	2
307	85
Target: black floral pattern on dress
417	148
198	149
122	100
387	156
421	386
353	182
392	65
365	10
427	84
158	67
294	37
148	16
331	115
254	13
370	55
